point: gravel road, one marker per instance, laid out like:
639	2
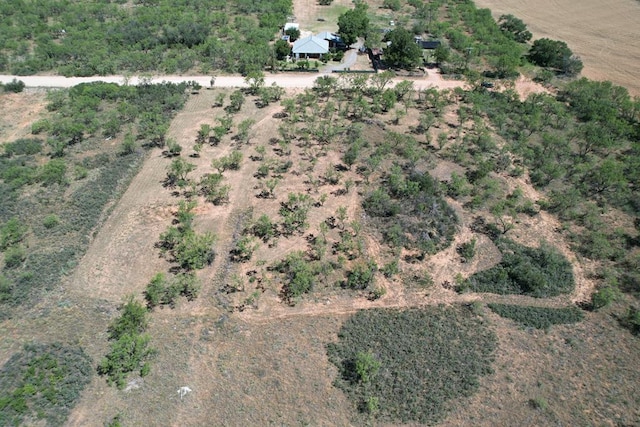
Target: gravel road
286	80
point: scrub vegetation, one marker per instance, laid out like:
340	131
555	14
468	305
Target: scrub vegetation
365	222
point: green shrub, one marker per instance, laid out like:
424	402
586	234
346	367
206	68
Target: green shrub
23	147
53	172
538	272
5	289
42	382
11	233
130	349
14	256
604	296
164	291
410	366
299	276
362	275
538	317
631	320
51	221
15	86
467	250
411	212
390	269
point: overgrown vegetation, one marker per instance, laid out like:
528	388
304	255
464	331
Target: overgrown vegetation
411	212
114	37
42	383
538	272
538	317
413	365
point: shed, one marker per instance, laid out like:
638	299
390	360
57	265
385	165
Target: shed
334	40
310	47
429	44
290	25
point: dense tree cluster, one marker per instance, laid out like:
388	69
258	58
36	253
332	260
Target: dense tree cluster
83	39
554	54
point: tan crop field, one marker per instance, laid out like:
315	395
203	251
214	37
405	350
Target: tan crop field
606	35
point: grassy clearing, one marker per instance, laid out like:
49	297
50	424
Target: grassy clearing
538	317
42	383
411	365
538	272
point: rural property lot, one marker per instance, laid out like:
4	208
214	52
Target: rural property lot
606	35
249	353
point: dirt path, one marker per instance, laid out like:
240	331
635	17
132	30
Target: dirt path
433	79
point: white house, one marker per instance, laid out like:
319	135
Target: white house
310	47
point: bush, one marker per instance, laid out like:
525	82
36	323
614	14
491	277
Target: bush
14	257
163	291
538	272
51	221
467	250
299	276
130	345
53	172
23	147
42	382
410	366
538	317
362	275
11	233
604	296
422	219
631	320
15	86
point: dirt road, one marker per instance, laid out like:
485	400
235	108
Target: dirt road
291	80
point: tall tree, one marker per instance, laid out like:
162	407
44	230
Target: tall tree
403	51
515	28
554	54
353	23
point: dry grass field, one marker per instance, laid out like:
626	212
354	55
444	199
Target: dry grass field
606	35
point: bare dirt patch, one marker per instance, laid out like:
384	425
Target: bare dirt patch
19	111
605	36
315	18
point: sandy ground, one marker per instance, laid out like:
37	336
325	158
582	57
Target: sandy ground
606	35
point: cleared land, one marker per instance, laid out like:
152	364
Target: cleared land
605	35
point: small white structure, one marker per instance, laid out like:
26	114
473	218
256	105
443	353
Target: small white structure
290	25
310	47
328	35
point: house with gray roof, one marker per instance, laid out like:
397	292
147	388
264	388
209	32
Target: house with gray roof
310	47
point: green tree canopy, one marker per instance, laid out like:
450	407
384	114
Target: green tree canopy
554	54
353	23
514	28
282	49
403	52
